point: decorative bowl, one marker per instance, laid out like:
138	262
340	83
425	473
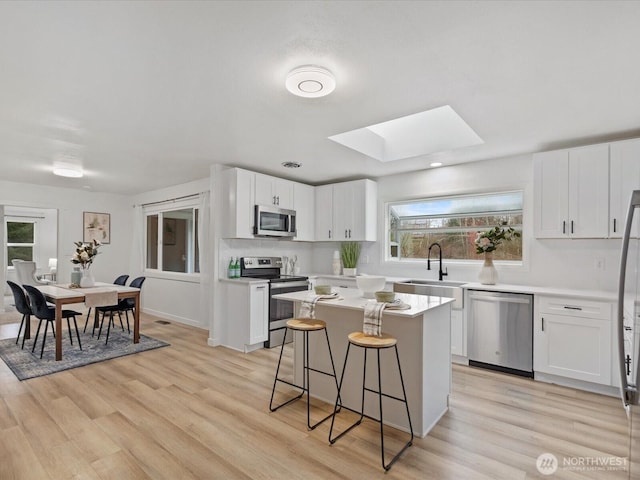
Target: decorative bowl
322	289
383	296
369	284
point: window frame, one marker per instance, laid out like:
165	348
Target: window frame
160	209
34	246
386	251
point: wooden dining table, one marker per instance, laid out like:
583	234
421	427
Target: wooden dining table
61	295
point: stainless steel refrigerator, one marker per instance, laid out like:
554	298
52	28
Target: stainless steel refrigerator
628	323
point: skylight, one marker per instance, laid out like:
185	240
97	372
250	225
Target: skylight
438	130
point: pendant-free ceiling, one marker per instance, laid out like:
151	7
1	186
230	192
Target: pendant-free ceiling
310	81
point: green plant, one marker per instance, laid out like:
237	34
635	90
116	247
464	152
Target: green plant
349	253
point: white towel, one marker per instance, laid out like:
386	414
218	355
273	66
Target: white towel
101	298
372	324
308	308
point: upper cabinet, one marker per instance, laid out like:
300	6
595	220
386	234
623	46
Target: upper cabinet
346	211
304	203
624	179
571	193
238	187
273	191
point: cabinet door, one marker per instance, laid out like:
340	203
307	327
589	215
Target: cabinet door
573	347
551	196
263	190
258	313
283	193
589	192
304	205
324	213
458	338
624	179
342	210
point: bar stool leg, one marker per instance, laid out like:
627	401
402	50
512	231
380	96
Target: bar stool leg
276	380
335	408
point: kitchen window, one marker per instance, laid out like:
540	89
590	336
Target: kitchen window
453	222
172	239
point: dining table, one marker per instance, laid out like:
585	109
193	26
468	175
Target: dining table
64	294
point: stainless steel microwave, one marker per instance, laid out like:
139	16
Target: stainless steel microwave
273	221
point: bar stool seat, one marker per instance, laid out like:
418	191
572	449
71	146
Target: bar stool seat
304	325
375	343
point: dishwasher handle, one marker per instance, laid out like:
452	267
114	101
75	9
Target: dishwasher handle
487	298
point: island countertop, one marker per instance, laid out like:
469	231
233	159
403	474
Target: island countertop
350	298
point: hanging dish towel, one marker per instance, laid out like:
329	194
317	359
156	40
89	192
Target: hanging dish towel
308	308
373	318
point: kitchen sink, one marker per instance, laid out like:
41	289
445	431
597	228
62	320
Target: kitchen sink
437	288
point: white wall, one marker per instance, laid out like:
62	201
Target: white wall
71	203
164	294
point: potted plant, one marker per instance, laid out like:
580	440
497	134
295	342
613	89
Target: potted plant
486	243
349	253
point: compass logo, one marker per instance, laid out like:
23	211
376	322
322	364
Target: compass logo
547	464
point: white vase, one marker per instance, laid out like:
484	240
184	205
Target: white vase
87	279
488	273
349	272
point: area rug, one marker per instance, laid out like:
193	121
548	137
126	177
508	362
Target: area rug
25	364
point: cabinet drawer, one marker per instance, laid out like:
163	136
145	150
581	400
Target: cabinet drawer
576	307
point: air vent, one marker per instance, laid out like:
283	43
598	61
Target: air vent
291	164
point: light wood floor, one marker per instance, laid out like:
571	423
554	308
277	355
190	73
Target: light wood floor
190	411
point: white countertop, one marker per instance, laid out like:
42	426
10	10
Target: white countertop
244	280
350	298
553	291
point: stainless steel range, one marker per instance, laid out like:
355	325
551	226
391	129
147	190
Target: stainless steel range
279	310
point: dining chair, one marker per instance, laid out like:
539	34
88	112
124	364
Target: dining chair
45	313
125	305
22	306
26	273
121	280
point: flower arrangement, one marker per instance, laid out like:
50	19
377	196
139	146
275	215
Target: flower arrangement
85	253
488	241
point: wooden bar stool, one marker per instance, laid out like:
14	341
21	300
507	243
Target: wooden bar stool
368	342
305	325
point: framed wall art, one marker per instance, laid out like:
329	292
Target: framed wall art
96	226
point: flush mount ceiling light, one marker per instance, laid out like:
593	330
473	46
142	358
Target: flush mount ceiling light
291	164
63	169
438	130
310	81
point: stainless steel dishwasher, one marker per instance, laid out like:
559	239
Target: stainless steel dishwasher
501	331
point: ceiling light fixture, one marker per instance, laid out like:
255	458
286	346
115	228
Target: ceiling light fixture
291	164
435	164
310	81
67	170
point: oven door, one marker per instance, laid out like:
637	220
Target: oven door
281	310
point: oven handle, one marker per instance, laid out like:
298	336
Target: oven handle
289	285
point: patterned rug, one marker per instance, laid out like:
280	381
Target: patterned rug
25	364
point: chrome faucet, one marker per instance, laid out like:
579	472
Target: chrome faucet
440	272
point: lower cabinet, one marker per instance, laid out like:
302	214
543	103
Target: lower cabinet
572	338
458	333
247	315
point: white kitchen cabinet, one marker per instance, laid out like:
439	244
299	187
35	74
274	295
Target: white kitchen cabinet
347	211
273	191
458	333
304	205
571	193
624	179
247	315
572	338
238	187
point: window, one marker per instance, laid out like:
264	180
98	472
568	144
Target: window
172	240
453	222
20	241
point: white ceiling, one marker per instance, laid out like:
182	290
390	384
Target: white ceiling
150	94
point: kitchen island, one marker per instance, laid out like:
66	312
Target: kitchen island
424	346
